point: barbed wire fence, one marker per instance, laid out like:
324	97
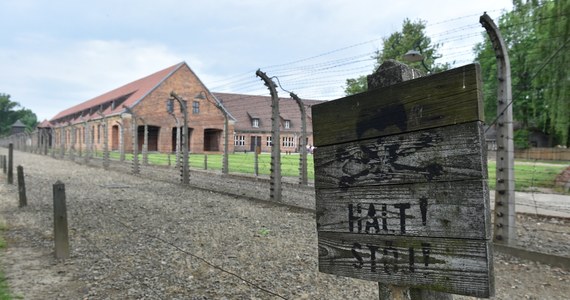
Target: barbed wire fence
320	77
97	222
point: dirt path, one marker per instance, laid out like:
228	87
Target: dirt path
133	238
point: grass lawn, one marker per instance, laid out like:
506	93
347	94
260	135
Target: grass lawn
238	162
530	174
527	173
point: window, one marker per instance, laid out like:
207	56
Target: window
195	107
239	140
268	142
288	141
287	124
255	122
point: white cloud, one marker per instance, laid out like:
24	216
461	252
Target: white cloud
55	55
48	75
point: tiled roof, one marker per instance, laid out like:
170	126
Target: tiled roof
126	95
44	124
245	107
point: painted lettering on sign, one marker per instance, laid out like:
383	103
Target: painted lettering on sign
400	180
377	213
390	257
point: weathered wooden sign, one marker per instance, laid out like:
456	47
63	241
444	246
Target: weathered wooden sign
400	177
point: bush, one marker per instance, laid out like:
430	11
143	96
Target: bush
521	139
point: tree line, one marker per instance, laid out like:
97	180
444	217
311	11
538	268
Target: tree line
11	111
537	34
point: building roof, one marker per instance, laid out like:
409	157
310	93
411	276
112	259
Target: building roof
44	124
244	108
18	123
113	101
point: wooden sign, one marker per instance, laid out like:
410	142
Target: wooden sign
400	178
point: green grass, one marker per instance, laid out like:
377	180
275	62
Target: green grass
527	173
530	175
238	162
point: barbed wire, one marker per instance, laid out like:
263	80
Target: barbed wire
164	241
531	78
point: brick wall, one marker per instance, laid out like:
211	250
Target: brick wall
184	83
152	108
294	148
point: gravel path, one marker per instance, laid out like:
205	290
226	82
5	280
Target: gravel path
135	238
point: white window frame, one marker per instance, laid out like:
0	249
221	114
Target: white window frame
288	142
268	141
239	140
255	123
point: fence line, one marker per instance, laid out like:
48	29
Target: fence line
172	176
544	154
166	242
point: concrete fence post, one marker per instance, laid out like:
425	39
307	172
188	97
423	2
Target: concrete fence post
61	142
505	215
121	141
81	141
255	163
46	141
105	145
136	168
145	145
53	134
184	172
73	139
275	177
88	144
21	187
60	231
10	177
303	178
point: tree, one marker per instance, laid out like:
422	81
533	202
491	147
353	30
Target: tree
537	34
9	114
395	46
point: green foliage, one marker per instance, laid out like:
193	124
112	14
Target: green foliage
264	231
395	46
356	85
521	139
10	112
536	32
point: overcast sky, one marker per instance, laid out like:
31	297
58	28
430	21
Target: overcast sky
55	54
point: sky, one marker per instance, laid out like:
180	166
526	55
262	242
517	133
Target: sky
57	53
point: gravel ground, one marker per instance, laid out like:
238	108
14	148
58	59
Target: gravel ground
135	238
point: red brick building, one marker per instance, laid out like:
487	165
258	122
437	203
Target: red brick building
253	122
147	99
82	126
